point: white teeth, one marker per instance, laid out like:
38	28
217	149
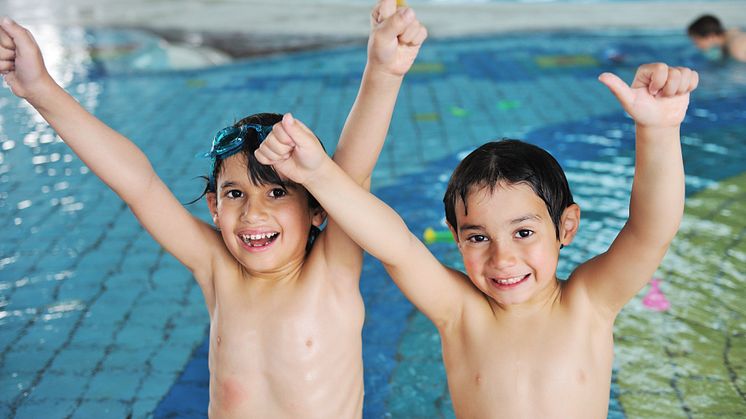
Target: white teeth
248	237
509	281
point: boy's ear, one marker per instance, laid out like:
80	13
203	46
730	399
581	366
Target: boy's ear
318	216
569	223
212	204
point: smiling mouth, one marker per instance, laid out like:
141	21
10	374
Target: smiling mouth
509	282
259	240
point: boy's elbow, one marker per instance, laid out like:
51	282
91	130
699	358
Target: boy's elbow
137	190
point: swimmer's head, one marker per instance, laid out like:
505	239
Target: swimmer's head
241	140
706	32
244	137
509	162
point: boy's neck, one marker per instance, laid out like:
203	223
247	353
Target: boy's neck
286	274
542	302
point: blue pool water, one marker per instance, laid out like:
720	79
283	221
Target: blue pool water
97	321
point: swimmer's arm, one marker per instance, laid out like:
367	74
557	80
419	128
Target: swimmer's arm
110	155
656	208
657	199
393	45
357	152
365	130
394	42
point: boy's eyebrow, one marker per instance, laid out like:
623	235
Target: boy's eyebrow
228	183
471	227
527	217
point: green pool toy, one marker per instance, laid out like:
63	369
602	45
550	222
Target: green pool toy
505	105
437	236
460	112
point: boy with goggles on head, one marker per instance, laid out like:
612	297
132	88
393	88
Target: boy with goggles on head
285	317
517	342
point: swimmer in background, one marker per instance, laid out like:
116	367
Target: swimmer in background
517	342
709	35
286	314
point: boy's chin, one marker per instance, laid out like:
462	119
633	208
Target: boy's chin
512	300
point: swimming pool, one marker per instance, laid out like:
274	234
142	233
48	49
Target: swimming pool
97	321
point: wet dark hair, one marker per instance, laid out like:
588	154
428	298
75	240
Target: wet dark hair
259	174
511	162
705	26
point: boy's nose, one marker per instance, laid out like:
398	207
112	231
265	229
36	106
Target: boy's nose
502	256
253	212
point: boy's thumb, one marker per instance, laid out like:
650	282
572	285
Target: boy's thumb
10	26
385	9
618	87
288	120
18	33
297	130
293	128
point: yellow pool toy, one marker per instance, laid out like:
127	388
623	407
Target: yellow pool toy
430	235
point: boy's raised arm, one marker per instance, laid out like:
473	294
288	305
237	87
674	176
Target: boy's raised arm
657	100
394	41
432	287
111	156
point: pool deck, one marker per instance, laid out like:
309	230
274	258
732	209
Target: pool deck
251	27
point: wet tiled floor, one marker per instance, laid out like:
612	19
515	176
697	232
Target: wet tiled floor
97	321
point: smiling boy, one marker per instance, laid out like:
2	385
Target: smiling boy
285	317
517	342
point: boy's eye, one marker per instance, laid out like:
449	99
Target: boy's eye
522	234
477	238
278	193
234	194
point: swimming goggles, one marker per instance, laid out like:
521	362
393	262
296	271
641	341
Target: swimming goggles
228	141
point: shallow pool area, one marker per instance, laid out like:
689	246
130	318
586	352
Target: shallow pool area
97	321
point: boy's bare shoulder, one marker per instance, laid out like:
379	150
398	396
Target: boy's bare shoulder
219	254
327	270
222	275
737	44
476	305
575	295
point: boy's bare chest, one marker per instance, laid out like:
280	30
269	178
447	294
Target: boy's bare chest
293	324
285	344
530	369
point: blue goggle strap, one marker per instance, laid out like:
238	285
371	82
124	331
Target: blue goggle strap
224	151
